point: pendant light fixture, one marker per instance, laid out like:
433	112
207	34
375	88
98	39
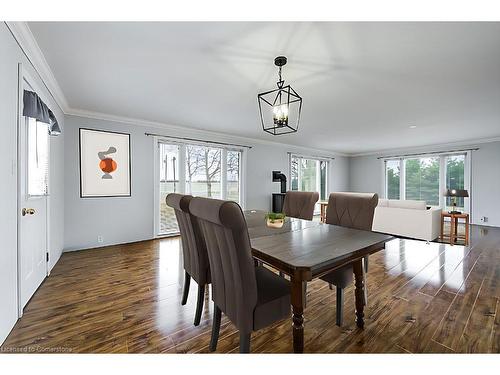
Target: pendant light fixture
280	108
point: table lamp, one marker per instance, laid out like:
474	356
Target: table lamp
454	193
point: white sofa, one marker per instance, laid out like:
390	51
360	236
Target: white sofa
407	218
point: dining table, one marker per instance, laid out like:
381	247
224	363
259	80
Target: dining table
305	250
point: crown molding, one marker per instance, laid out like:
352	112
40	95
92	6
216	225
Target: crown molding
199	133
426	148
30	47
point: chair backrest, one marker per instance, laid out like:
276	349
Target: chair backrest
194	250
300	204
234	286
353	210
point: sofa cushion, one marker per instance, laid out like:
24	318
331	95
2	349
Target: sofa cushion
408	204
383	202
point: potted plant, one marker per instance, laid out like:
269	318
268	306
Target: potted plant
275	219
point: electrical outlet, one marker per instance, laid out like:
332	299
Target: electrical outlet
484	219
100	239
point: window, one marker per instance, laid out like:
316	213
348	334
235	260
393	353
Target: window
198	170
309	174
422	180
455	173
38	157
392	178
426	178
203	171
233	176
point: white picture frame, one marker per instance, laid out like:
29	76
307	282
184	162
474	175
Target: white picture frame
105	168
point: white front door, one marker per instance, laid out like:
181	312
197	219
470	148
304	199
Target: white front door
33	186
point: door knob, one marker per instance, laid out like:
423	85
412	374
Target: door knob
28	211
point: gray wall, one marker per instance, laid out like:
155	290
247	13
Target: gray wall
486	183
128	219
11	55
263	159
366	174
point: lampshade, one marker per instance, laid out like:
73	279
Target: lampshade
456	193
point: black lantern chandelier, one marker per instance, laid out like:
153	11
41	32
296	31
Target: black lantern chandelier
280	108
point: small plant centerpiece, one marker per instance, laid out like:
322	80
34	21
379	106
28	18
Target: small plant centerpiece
275	219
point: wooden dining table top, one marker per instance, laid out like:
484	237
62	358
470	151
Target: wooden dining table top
309	246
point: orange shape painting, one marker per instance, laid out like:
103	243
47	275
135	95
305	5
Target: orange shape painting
107	165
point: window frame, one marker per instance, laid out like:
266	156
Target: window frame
442	175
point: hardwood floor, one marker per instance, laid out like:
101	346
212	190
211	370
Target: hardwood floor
423	298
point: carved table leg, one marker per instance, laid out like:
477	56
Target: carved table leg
298	314
359	292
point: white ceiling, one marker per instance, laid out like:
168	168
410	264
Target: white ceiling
363	84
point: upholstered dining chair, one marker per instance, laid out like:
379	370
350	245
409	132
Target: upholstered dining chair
194	251
252	297
352	210
300	204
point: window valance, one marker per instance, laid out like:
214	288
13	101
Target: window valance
35	108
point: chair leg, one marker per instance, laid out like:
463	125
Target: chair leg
365	297
185	292
304	293
340	306
199	304
366	263
215	329
245	342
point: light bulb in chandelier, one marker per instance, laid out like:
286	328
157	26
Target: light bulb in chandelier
280	115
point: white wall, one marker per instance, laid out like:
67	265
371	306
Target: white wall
366	175
10	57
128	219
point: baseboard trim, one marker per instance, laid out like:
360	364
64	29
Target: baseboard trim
70	250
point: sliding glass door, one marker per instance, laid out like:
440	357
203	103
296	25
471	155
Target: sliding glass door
169	183
203	171
198	170
233	170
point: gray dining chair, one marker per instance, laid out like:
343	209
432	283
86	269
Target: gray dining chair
300	204
352	210
252	297
194	251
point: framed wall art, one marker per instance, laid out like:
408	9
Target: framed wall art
104	164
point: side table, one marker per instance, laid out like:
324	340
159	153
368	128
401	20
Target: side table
453	235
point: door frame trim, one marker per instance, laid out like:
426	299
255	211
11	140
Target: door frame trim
23	76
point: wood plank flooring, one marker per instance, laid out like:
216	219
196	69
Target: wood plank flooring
423	298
